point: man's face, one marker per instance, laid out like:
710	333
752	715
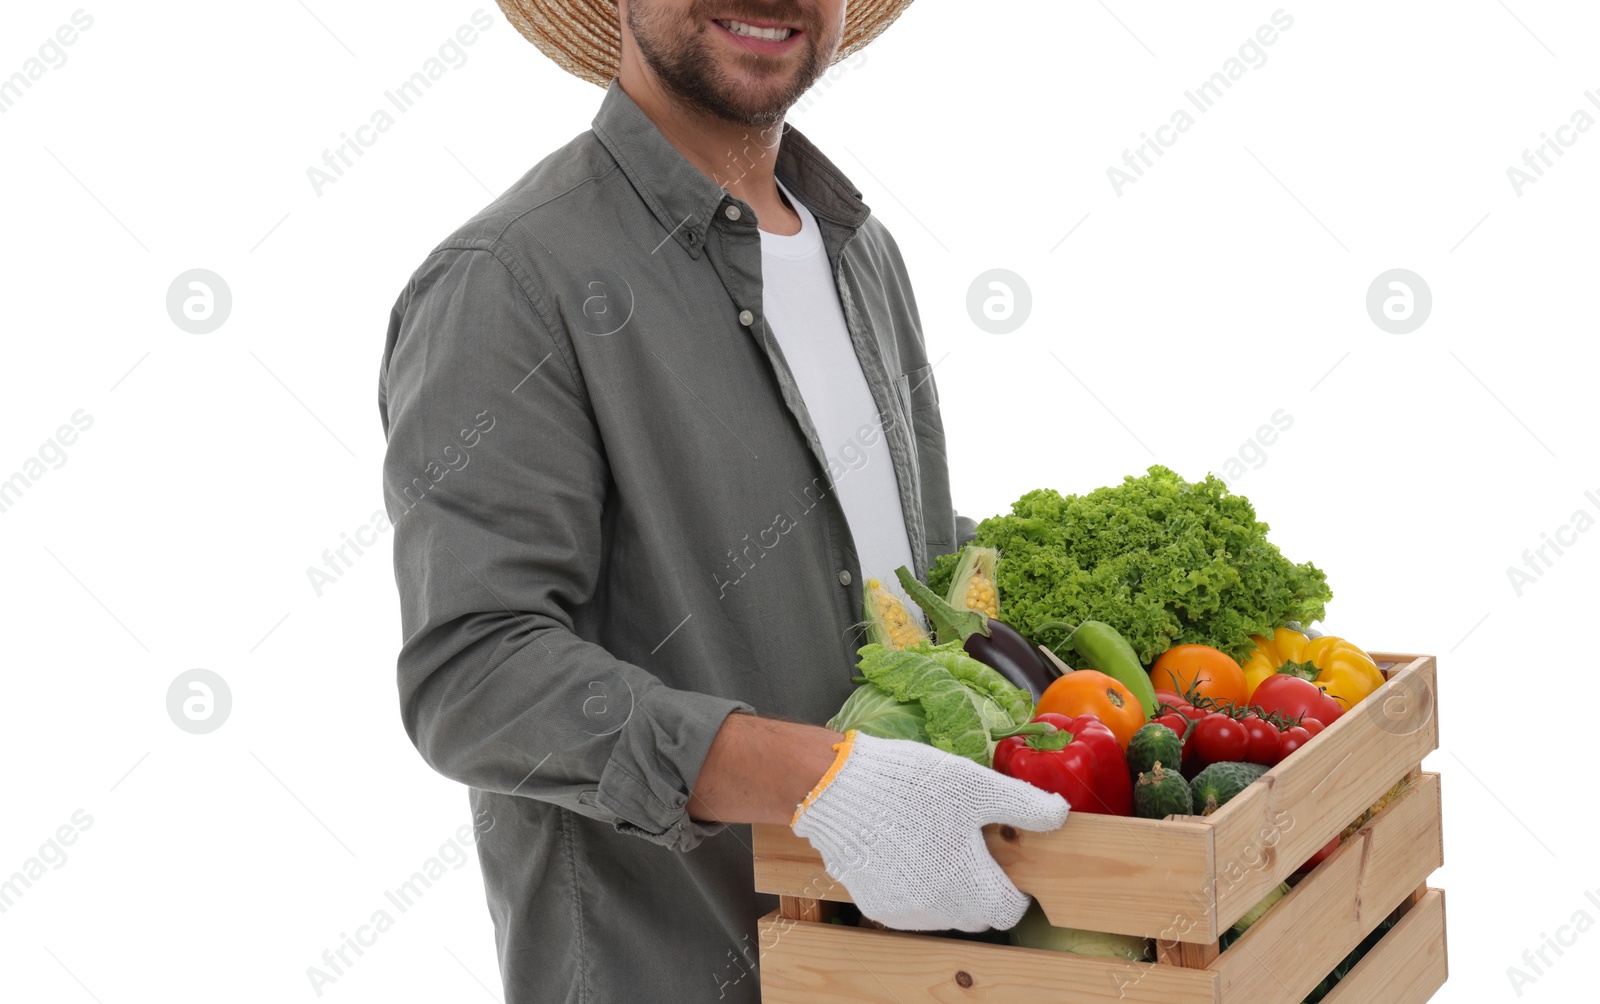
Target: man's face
745	61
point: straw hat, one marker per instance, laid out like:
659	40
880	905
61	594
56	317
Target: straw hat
584	37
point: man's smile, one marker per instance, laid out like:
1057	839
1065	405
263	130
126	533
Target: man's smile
762	37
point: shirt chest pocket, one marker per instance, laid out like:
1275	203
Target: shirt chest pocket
917	390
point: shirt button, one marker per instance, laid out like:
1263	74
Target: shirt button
746	318
732	212
844	576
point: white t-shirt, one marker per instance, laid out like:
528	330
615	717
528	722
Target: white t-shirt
804	315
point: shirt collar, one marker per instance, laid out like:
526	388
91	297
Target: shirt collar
686	202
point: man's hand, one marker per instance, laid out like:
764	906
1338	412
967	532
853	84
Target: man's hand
900	824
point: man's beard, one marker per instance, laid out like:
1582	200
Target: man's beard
680	56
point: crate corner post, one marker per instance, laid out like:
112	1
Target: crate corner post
1188	954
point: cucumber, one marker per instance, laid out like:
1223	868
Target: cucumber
1214	786
1159	793
1153	743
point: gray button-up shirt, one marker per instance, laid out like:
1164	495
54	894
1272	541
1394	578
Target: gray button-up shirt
614	525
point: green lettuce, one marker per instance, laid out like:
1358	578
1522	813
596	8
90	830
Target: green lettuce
1164	561
934	694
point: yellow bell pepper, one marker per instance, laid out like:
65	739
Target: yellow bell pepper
1340	668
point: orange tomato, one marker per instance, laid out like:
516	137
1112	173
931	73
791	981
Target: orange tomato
1200	669
1090	692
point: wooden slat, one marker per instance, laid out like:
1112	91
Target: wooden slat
1408	966
1395	661
1116	874
1278	823
788	865
1299	941
804	963
799	908
1144	877
1186	953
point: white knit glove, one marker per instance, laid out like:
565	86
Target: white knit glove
900	825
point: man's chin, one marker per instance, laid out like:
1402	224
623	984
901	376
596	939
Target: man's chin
760	112
754	101
745	91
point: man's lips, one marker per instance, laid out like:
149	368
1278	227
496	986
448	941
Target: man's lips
731	28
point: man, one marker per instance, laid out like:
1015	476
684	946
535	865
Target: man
652	422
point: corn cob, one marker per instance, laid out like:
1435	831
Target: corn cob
889	623
1377	807
973	586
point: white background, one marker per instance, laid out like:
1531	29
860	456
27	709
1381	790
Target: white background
1227	283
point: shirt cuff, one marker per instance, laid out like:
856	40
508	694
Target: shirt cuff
655	762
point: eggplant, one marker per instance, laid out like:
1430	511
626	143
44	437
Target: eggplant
992	642
1005	651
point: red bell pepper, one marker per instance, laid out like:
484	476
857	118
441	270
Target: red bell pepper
1081	761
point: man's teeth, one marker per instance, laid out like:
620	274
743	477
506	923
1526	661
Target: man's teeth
751	31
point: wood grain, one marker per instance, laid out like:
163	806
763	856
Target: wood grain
1392	661
1145	877
1305	935
1408	966
1186	953
803	963
1276	824
799	908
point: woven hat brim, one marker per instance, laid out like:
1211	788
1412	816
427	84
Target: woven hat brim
584	37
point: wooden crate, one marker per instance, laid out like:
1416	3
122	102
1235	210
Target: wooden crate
1181	880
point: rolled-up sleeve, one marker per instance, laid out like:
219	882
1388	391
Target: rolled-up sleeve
495	479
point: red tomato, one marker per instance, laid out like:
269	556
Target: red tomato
1293	738
1218	738
1170	699
1264	741
1311	725
1176	722
1331	709
1192	713
1293	697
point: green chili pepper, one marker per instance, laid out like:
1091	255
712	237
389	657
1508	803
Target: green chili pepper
1104	649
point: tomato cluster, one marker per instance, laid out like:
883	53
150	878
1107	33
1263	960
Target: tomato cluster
1214	732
